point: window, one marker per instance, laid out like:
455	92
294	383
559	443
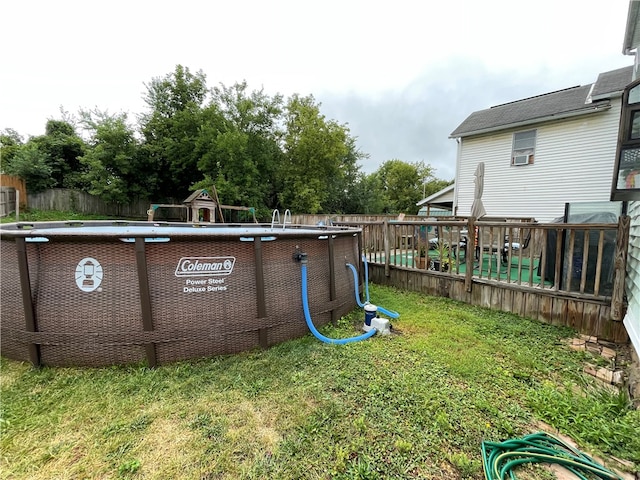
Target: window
626	176
524	146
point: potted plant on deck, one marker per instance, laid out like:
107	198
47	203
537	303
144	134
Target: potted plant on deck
442	260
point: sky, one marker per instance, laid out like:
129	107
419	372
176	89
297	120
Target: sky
401	75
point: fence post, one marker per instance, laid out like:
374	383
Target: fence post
387	247
17	205
620	267
470	254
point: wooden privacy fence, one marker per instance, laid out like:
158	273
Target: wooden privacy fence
10	181
68	200
561	273
7	200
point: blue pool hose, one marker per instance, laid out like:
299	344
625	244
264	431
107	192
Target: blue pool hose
312	327
355	282
389	313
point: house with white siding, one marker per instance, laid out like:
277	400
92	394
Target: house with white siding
542	152
631	45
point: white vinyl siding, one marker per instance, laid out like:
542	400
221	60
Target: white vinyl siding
632	319
574	161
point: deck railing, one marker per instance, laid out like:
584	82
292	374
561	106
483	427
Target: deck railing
574	261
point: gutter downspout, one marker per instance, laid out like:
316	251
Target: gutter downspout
456	182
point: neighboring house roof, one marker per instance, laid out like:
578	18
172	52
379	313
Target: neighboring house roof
569	102
611	84
443	197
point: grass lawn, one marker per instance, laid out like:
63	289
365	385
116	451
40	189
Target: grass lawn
416	404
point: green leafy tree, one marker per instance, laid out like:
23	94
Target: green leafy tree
239	145
371	195
316	150
115	169
63	148
401	183
344	195
171	130
32	165
10	143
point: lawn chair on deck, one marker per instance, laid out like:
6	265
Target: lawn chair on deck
491	240
517	248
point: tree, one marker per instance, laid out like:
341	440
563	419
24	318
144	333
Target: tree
115	169
316	151
238	146
171	129
10	143
32	165
371	194
62	148
402	183
344	195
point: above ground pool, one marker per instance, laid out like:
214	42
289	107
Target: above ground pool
103	293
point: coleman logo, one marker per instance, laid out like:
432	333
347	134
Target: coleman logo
204	266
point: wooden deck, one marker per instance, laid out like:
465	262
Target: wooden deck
564	274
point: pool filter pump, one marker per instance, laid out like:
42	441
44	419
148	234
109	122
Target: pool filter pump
373	321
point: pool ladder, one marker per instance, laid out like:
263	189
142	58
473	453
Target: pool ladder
276	214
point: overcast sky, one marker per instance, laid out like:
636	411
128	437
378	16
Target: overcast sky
401	74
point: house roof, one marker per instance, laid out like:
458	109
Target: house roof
442	197
611	83
579	100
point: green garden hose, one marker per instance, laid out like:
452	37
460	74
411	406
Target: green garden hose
501	459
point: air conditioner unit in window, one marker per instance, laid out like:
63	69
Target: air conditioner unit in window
521	160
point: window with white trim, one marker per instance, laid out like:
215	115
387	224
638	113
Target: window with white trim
524	147
626	175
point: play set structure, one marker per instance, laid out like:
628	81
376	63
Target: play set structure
201	206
